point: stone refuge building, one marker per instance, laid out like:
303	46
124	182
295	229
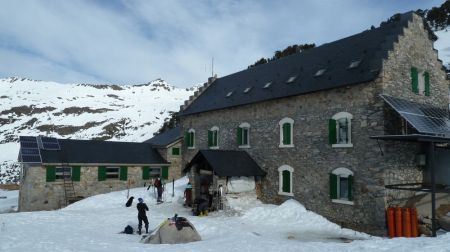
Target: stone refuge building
57	172
331	126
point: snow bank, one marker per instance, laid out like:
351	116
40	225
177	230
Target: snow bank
9	201
240	184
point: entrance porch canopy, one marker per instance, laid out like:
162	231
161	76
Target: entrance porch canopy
227	163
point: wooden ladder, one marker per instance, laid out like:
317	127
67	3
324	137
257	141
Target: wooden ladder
69	190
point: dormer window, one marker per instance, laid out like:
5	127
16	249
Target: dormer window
291	79
247	90
320	72
354	64
229	94
267	85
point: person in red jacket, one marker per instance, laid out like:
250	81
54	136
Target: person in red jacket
159	187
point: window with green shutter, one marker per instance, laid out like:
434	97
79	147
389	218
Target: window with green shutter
426	77
145	172
189	138
165	172
76	173
350	187
415	80
175	151
210	136
333	186
286	133
101	173
286	181
50	173
332	137
123	173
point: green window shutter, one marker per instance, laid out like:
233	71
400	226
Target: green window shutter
76	170
145	172
175	151
191	139
123	173
239	136
246	132
426	76
210	138
101	173
350	187
50	173
165	172
286	181
287	133
414	80
215	137
332	137
333	186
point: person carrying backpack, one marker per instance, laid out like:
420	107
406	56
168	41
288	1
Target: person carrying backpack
142	215
159	188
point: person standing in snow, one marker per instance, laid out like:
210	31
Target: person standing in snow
142	215
188	195
159	188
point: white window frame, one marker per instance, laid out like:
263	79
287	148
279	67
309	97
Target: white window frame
421	81
153	175
59	174
193	139
245	126
216	130
349	117
280	179
280	124
341	172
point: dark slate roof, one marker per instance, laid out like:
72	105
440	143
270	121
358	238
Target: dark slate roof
370	46
102	152
227	163
166	138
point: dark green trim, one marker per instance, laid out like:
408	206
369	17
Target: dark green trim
239	136
101	173
332	136
286	187
210	141
333	186
123	173
76	173
165	172
286	133
50	173
350	188
175	151
145	172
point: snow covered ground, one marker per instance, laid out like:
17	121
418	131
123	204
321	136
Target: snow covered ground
94	225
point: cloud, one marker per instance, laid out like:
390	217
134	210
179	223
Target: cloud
138	41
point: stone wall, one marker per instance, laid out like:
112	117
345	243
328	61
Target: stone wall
37	194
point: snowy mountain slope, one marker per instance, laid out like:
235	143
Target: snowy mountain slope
81	111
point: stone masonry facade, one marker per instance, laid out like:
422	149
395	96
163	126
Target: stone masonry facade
37	194
373	164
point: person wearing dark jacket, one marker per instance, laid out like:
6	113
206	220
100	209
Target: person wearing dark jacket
159	187
142	215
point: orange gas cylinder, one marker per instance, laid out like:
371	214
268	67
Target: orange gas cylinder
398	222
414	223
391	221
406	222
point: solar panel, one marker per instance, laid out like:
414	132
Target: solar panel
29	150
424	118
48	143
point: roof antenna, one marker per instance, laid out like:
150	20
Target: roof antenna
212	67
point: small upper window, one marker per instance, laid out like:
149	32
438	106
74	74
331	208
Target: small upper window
243	137
247	90
190	139
213	137
354	64
229	94
320	72
291	79
268	84
286	132
340	130
420	81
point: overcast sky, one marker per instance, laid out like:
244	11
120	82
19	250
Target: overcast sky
132	42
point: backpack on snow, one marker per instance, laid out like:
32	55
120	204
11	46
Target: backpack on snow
128	230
